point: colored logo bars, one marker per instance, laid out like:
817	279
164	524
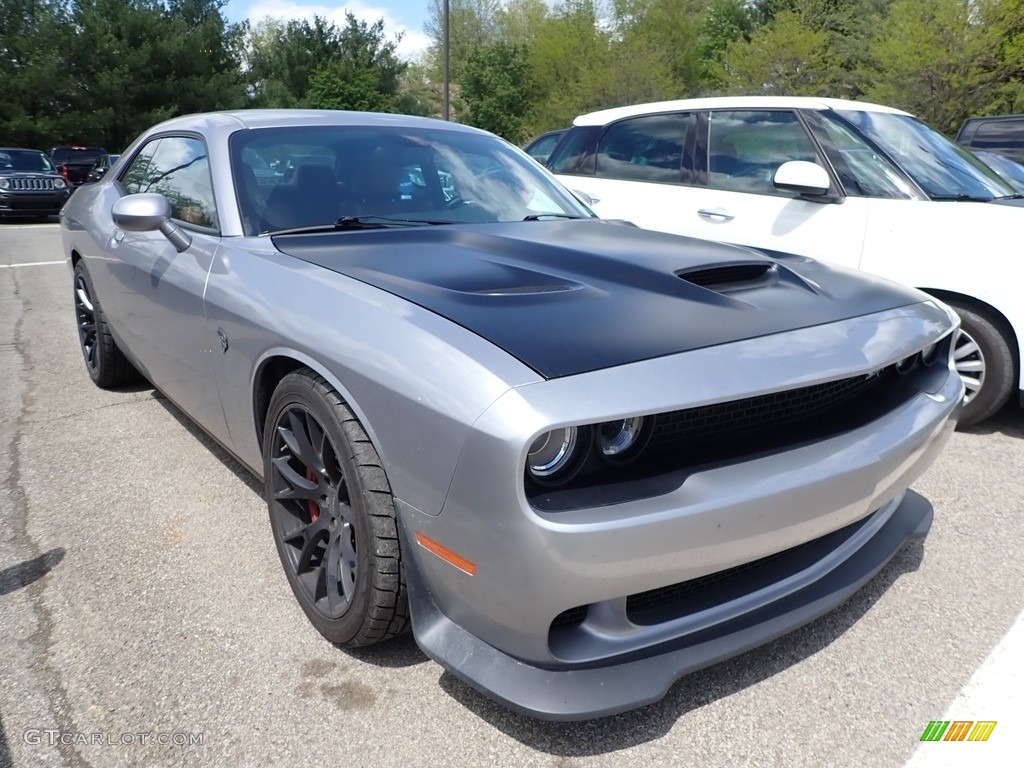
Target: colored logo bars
958	730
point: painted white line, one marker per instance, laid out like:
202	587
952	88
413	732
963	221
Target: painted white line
992	693
32	226
32	264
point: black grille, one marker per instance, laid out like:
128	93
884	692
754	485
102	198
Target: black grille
31	185
570	618
688	597
758	414
724	276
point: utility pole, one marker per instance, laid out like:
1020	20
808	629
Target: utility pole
447	46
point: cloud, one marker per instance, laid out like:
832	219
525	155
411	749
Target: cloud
413	44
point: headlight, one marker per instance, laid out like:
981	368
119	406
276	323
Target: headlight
930	353
623	439
906	364
59	184
556	455
5	183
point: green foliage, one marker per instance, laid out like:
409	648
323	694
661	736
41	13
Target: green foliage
497	84
101	71
929	58
363	74
784	57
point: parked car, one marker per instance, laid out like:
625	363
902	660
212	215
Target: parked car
74	163
578	458
1009	171
856	184
103	164
1003	134
542	146
30	186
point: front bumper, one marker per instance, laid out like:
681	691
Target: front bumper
845	498
581	693
32	203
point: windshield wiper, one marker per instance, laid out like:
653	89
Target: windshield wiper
962	197
542	216
347	223
377	222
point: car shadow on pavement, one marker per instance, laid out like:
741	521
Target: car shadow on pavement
24	573
1009	421
691	692
393	654
209	443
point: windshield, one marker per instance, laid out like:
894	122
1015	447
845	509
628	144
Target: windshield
24	160
288	178
941	168
83	155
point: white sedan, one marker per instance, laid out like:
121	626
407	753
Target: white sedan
859	185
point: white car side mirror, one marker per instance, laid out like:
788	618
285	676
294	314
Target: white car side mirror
803	177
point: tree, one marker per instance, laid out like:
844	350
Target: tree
134	63
364	73
784	57
282	57
34	90
471	24
497	86
929	58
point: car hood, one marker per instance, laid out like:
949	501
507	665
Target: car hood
566	297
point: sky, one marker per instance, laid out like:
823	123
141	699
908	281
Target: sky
405	16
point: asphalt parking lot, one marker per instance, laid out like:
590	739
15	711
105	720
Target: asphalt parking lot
145	619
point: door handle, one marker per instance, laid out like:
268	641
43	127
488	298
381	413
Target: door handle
717	214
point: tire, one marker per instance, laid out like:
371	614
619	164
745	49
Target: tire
984	359
332	515
106	364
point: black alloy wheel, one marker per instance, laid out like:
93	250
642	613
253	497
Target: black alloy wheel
106	364
332	514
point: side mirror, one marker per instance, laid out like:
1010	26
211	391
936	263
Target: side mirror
149	212
802	177
584	198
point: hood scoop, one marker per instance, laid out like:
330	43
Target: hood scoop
519	290
731	277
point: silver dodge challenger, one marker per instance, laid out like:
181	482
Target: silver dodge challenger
577	459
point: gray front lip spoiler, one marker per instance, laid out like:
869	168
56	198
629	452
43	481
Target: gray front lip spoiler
590	692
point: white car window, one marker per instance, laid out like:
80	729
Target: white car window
643	148
862	171
745	148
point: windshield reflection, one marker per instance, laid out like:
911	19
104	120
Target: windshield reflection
940	167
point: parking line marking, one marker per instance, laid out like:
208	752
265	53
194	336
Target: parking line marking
32	226
992	693
32	264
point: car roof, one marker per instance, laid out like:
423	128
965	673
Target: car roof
605	116
241	119
20	149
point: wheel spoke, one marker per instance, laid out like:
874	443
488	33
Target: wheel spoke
970	365
338	569
304	531
299	486
83	298
312	541
348	560
299	442
968	348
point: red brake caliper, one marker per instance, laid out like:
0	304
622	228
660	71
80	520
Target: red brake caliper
312	506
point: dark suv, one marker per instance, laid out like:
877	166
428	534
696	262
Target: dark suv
29	184
74	163
1003	134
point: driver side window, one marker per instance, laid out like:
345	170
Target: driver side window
745	148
